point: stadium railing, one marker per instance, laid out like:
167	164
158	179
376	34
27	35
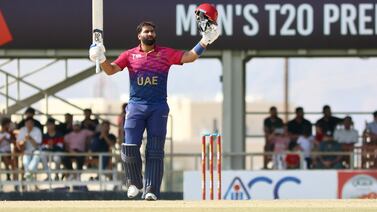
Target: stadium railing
113	178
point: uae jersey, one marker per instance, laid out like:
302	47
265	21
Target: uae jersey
148	72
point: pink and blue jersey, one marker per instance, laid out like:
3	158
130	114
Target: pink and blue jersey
148	72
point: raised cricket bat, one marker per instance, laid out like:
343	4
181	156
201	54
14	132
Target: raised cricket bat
97	25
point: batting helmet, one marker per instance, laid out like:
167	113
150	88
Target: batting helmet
206	14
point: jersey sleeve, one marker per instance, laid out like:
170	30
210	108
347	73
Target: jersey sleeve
38	136
174	56
88	133
21	135
122	61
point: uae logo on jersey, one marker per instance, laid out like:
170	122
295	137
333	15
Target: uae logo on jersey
237	190
5	36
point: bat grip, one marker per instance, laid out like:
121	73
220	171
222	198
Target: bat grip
98	68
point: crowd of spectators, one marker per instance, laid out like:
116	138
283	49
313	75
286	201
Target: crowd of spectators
293	144
289	145
30	144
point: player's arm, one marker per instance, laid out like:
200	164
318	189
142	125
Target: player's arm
208	37
110	68
192	55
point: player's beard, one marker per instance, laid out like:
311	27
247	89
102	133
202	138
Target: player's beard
149	42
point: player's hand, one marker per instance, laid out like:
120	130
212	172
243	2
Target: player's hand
97	51
210	35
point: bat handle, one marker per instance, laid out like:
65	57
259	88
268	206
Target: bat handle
98	67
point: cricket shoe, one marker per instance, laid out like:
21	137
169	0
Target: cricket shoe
132	191
150	197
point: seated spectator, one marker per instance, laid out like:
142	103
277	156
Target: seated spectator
306	143
89	123
53	141
102	142
29	139
6	138
29	113
292	159
327	124
269	125
280	141
297	125
347	137
329	161
371	130
76	141
67	126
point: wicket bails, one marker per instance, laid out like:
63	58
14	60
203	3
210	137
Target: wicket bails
204	162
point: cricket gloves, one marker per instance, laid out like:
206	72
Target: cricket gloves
97	52
210	35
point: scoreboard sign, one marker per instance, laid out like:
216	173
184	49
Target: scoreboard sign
246	24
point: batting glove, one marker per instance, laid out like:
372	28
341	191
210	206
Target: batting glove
210	35
97	51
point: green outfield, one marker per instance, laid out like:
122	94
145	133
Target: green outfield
192	206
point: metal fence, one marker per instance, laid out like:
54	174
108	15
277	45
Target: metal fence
113	177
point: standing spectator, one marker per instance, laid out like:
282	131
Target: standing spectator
369	159
67	126
305	141
280	141
327	124
53	141
347	137
102	142
6	139
89	123
76	141
329	161
29	139
297	125
29	113
121	119
371	129
269	125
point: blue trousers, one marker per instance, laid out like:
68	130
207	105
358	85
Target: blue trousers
141	117
153	118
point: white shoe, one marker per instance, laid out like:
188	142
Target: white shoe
150	197
132	191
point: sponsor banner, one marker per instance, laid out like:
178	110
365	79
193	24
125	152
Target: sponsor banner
244	24
245	185
357	184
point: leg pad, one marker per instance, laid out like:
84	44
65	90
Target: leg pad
132	164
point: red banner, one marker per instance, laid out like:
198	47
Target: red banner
357	184
5	35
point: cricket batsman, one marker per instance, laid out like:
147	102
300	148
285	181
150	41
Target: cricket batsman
148	65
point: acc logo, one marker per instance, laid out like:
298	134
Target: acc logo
5	35
237	190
